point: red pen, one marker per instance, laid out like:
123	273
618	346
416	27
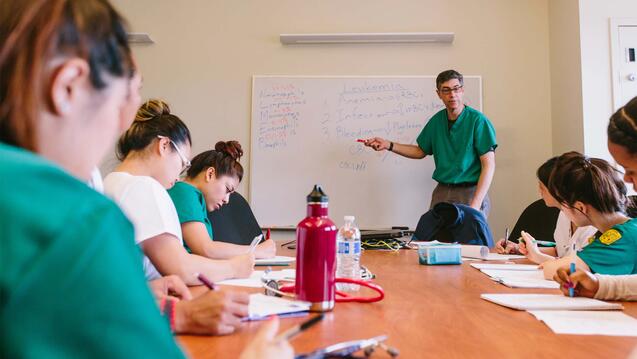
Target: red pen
202	278
267	234
361	140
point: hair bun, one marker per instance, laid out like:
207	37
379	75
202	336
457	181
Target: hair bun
230	148
151	109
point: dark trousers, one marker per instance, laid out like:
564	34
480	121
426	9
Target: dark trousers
462	195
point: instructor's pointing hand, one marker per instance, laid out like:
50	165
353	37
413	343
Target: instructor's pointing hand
377	143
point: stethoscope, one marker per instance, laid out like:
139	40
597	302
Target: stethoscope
274	288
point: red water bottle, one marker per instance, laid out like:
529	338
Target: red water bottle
316	254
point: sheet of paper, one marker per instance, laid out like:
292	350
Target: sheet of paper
482	252
254	281
262	306
497	266
588	322
548	302
521	278
278	260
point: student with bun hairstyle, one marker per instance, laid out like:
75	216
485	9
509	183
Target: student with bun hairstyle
622	144
213	176
591	192
154	151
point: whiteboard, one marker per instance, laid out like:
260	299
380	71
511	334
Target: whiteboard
304	131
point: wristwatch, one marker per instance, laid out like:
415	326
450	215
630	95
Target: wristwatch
391	146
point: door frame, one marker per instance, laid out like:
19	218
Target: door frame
615	24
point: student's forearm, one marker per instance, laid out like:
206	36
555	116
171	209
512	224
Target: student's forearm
409	151
223	250
215	270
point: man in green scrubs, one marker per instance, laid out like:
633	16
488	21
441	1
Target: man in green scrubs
462	141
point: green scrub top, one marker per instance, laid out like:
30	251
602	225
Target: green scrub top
614	252
190	205
71	278
457	150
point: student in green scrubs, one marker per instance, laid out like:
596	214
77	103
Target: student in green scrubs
591	192
210	180
462	141
71	284
622	145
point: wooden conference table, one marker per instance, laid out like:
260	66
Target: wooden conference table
429	311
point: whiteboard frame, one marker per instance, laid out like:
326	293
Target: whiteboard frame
255	77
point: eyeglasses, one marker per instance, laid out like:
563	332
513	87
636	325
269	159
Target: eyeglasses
185	163
447	90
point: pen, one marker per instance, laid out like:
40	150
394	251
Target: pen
202	278
254	243
506	238
297	329
571	289
267	234
360	140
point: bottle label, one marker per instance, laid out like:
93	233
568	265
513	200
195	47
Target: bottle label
349	247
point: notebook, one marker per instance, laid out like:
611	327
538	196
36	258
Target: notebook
588	323
548	302
275	261
496	266
521	278
254	281
262	306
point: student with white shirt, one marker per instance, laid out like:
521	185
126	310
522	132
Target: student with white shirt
568	236
154	151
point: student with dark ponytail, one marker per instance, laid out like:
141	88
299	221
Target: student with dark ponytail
154	151
210	180
622	144
591	192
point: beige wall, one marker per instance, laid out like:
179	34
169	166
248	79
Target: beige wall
207	51
566	76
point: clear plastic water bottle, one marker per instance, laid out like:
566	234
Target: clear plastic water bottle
348	254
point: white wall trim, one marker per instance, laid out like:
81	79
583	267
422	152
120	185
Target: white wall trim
615	23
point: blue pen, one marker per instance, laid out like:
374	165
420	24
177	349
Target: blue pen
571	289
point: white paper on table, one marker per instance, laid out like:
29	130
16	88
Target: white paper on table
521	278
254	281
262	305
482	252
588	322
548	302
497	266
278	260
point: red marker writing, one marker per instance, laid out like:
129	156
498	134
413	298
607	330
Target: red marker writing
361	140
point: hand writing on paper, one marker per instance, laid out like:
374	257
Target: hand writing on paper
215	312
169	286
243	265
584	283
511	248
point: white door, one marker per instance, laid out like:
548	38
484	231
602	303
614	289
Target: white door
627	64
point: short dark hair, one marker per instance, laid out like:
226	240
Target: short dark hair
593	181
224	159
448	75
622	128
152	119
